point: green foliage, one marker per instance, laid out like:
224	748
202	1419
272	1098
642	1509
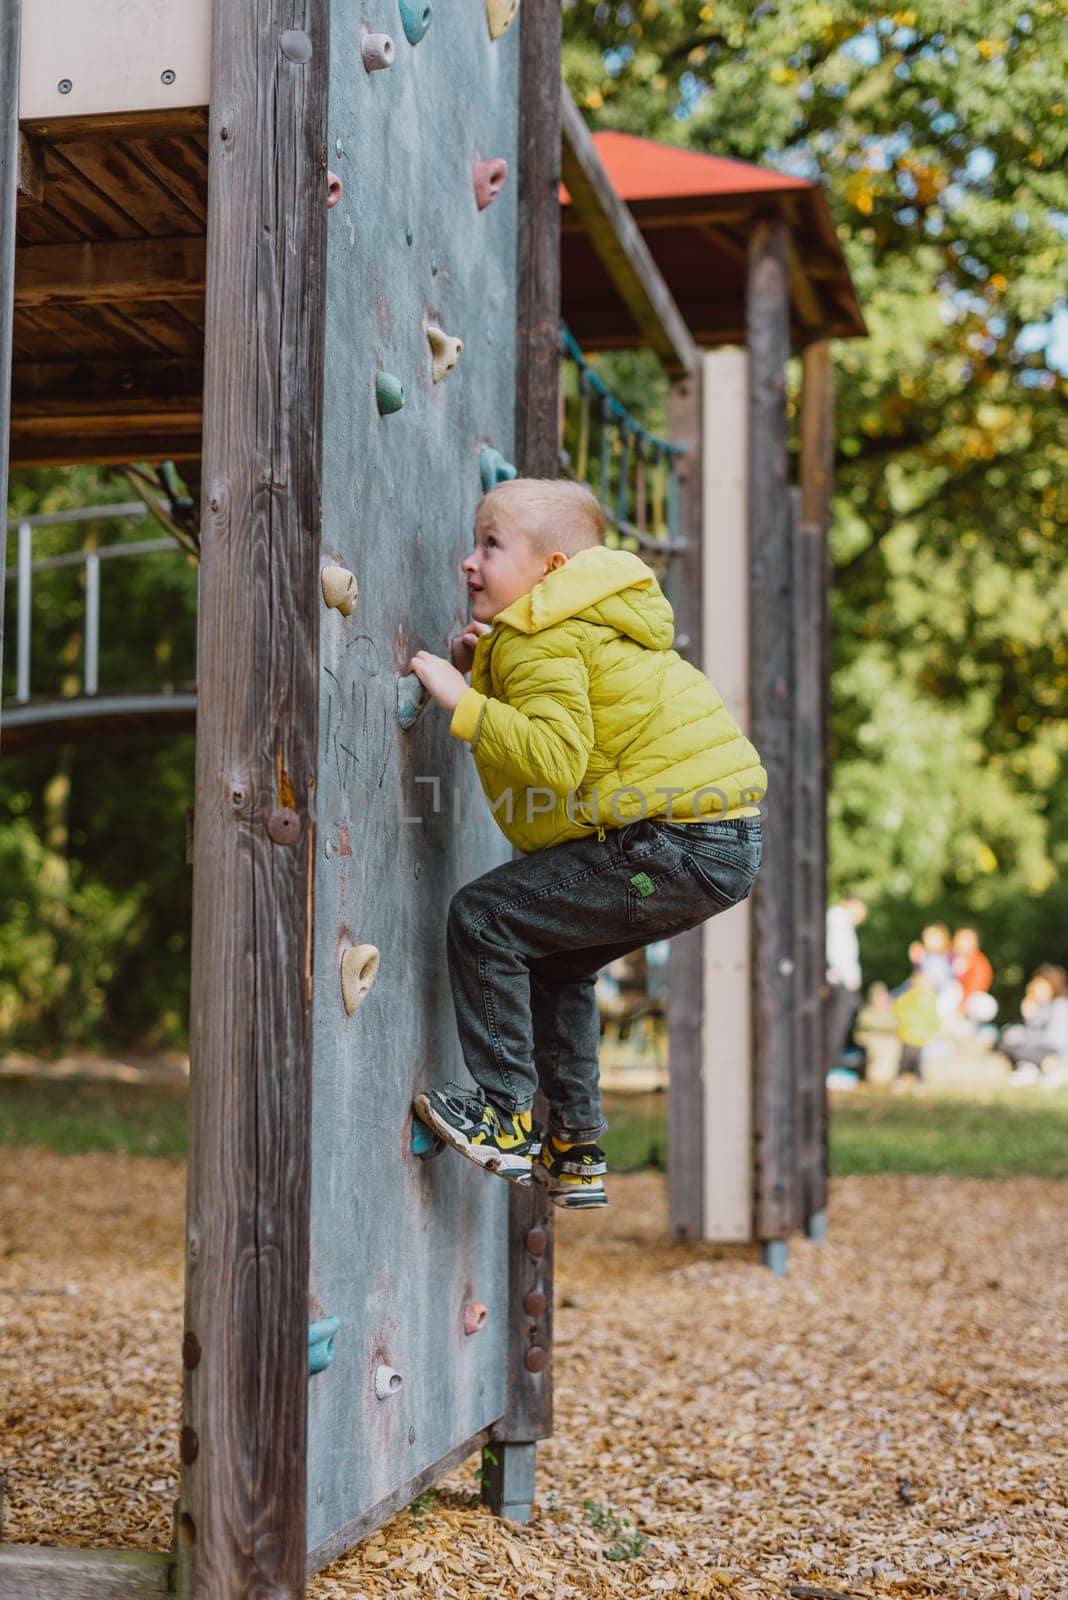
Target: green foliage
73	1118
627	1544
939	134
1012	1134
420	1506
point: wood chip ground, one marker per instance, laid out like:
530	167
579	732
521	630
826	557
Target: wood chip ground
888	1420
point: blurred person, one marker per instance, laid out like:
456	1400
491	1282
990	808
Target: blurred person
1042	1030
937	967
916	1009
973	972
844	981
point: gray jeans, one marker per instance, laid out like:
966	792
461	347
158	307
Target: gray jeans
526	941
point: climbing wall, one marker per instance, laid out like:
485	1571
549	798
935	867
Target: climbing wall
404	1251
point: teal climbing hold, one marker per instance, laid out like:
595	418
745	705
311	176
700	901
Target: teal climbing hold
321	1336
411	698
494	468
415	19
425	1144
389	394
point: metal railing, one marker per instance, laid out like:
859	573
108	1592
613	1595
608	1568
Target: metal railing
26	569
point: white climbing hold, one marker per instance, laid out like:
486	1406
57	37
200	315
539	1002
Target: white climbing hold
387	1382
445	351
359	967
340	590
377	51
500	14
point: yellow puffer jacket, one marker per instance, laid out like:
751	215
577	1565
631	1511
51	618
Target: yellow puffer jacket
581	715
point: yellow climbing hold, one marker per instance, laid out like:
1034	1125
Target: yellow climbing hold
445	351
359	967
340	589
500	14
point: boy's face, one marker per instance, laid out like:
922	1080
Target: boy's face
502	566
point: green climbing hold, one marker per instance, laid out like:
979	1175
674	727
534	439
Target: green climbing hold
494	468
415	19
389	394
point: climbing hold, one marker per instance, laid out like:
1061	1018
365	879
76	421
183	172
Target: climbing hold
377	51
387	1382
411	698
389	394
334	188
359	967
489	180
425	1143
321	1336
415	19
475	1316
494	468
500	14
340	589
445	351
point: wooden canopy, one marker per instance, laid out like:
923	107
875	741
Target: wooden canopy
696	213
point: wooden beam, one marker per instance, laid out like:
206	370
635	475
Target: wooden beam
686	1020
243	1509
10	43
34	1572
817	434
79	444
530	1215
617	239
771	678
44	393
808	312
688	215
99	272
164	123
31	170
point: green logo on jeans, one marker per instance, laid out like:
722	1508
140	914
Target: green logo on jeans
643	883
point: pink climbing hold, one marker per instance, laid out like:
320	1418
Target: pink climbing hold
475	1316
334	188
377	51
489	180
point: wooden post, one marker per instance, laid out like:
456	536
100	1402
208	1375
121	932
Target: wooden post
817	483
771	678
509	1460
242	1519
10	40
686	1021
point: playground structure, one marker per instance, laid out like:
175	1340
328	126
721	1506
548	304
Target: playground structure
364	234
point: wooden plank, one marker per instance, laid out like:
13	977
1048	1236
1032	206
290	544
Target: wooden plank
530	1396
243	1512
33	1572
686	1011
817	487
118	333
106	450
99	272
109	168
31	169
617	239
10	39
43	391
156	124
179	167
809	319
771	684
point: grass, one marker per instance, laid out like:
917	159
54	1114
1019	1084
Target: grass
997	1133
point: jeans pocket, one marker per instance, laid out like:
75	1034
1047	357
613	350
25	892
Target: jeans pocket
727	867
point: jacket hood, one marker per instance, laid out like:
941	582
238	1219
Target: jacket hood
614	587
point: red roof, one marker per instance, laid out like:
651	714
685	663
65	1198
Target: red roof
695	212
645	169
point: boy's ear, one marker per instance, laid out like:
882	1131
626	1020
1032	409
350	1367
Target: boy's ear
554	563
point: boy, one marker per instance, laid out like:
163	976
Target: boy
603	755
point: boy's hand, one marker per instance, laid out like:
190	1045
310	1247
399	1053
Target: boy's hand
462	647
439	677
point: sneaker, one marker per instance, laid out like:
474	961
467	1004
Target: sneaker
503	1142
572	1173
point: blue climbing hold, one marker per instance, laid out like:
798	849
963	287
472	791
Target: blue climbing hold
425	1144
321	1336
494	468
415	19
411	698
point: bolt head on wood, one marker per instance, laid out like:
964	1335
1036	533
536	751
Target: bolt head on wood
377	51
535	1359
340	589
535	1303
296	46
190	1352
359	968
188	1446
537	1241
283	825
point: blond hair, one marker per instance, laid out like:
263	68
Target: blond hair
551	513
